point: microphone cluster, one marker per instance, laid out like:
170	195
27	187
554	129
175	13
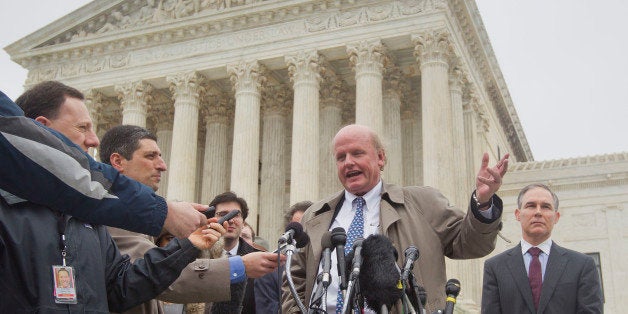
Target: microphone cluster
367	276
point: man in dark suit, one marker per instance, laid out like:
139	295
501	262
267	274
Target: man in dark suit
538	276
234	244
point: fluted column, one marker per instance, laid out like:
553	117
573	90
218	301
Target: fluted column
432	50
275	110
186	88
94	103
407	142
332	94
367	58
304	73
215	165
247	80
475	126
393	171
164	141
414	100
134	97
460	162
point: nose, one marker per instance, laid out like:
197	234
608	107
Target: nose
91	139
161	164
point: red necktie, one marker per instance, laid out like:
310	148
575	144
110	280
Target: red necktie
535	276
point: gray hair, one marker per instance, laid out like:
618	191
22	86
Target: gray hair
533	186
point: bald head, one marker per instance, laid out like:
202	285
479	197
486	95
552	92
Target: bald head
360	157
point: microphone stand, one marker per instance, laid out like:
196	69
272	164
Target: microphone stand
417	293
319	298
348	297
289	251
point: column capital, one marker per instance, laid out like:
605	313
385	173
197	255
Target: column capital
457	79
367	55
134	94
276	99
432	46
163	115
395	80
246	76
304	66
186	86
93	102
218	111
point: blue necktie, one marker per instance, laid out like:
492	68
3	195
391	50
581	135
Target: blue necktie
356	230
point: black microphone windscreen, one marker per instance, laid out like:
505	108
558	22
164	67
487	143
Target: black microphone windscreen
302	239
452	287
338	236
294	226
379	278
326	241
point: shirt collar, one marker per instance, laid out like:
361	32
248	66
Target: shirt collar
234	250
545	246
369	197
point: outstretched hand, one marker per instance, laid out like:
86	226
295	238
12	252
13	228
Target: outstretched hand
206	236
489	180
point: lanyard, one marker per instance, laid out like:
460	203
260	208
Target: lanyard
61	230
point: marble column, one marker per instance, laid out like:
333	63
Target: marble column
433	50
407	142
367	58
304	74
94	104
247	79
460	199
186	88
475	126
332	94
272	202
134	97
216	163
414	100
393	170
164	141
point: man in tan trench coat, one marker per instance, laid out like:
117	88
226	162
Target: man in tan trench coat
419	216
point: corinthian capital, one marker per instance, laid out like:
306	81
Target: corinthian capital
93	102
134	94
304	65
432	46
276	99
186	86
218	111
365	55
246	75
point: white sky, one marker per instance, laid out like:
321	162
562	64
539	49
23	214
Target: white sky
565	63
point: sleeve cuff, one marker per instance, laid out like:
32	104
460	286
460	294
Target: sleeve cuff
237	272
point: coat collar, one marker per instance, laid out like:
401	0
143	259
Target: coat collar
518	271
556	265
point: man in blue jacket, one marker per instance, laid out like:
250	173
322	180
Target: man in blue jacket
44	180
35	158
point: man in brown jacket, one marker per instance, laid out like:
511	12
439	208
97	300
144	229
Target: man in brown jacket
133	151
419	216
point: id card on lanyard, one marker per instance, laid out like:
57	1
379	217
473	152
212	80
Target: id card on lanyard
64	282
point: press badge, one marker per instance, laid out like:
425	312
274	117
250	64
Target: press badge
64	284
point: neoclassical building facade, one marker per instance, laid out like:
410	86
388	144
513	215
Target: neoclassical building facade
246	95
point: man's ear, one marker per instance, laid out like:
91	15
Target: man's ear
43	120
116	161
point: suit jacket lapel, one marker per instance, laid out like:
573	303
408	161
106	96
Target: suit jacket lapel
556	265
520	275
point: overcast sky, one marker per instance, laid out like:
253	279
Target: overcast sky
565	63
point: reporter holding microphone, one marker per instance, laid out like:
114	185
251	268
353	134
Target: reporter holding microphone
419	216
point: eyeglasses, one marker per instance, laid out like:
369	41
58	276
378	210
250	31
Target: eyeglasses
224	213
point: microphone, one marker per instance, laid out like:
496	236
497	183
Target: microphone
412	254
294	228
327	248
228	216
356	263
338	240
379	278
302	240
210	212
452	288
